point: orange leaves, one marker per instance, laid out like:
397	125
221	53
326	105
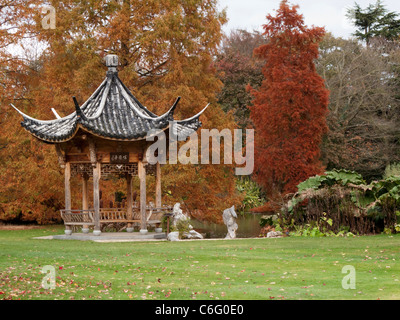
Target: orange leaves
166	50
290	106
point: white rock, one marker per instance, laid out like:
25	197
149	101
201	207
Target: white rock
173	236
192	234
274	234
229	216
179	216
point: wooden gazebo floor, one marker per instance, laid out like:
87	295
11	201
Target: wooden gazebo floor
109	237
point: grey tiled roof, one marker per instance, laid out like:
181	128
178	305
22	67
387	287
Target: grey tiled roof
111	112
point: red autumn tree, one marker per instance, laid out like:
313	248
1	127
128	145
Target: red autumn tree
289	109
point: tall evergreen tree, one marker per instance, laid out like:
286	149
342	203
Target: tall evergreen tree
374	21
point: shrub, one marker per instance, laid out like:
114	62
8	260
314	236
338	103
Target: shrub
344	199
392	169
252	194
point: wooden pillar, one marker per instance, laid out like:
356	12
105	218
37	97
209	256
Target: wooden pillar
60	155
142	183
67	177
129	202
85	192
85	199
158	185
67	181
96	197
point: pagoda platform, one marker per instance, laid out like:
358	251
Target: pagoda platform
109	237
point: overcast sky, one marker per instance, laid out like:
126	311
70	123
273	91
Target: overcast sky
251	14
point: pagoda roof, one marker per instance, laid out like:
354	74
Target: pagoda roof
112	112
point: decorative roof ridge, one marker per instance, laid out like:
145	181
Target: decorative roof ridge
95	93
79	113
43	121
141	110
107	82
194	117
151	114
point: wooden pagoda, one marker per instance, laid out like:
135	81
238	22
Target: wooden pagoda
107	135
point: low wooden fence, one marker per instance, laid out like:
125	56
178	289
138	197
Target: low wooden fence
85	218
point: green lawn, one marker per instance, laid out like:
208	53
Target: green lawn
286	268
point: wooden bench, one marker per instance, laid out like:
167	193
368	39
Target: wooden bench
77	218
115	215
118	215
85	218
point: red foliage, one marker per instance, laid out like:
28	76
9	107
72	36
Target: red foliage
270	207
289	109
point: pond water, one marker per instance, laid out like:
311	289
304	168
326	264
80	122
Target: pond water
248	227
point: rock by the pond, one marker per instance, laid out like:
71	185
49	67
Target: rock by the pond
173	236
192	234
229	216
179	216
274	234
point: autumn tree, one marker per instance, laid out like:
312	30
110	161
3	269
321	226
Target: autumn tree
166	50
363	108
237	67
289	109
22	160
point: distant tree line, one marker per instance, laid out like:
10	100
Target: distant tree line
364	84
178	49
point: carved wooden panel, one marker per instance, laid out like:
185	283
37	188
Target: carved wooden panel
109	169
81	169
119	169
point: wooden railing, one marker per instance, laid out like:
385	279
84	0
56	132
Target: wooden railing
78	217
114	215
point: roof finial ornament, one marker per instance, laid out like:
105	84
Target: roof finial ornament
112	62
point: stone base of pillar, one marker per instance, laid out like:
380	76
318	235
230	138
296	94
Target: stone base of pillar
96	232
68	232
85	230
158	230
129	230
143	231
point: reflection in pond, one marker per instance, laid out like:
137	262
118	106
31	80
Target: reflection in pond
248	227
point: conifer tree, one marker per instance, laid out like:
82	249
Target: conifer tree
289	109
374	21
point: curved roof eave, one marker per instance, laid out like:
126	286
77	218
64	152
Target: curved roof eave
80	126
70	116
196	116
112	112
